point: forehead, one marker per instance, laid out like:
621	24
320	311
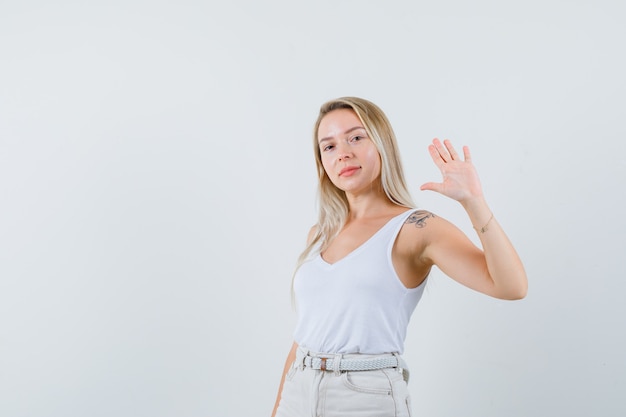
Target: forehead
337	122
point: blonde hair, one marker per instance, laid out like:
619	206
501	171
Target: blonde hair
333	204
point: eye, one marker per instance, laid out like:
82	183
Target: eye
356	138
327	148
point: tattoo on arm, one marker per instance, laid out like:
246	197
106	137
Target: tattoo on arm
419	218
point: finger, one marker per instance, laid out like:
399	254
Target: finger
436	156
467	157
451	149
431	186
443	152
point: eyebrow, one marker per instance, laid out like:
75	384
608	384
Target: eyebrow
345	133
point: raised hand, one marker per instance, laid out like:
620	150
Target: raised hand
460	179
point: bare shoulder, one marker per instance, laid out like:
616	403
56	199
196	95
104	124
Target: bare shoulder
419	218
413	236
427	222
312	233
408	253
420	229
435	239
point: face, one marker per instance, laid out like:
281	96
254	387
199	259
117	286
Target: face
349	157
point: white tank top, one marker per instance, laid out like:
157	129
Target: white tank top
357	304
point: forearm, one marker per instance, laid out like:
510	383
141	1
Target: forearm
504	266
288	362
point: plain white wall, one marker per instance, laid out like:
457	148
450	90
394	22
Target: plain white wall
157	184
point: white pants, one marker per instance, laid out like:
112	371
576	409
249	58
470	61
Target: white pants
314	393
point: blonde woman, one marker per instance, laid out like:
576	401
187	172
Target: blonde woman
367	261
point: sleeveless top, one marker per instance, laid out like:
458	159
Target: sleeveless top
357	304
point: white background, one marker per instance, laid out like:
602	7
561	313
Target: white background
157	184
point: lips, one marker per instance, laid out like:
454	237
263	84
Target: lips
347	171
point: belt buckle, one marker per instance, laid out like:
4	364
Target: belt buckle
323	364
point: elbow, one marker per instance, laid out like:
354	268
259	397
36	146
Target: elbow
517	295
518	292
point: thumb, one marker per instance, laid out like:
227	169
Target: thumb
431	186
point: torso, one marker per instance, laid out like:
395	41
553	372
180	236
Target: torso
350	298
406	254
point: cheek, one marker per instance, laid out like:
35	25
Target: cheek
374	158
326	163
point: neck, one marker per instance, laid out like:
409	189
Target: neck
368	205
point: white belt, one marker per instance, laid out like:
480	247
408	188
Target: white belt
367	364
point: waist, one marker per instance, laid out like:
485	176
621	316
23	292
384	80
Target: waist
349	362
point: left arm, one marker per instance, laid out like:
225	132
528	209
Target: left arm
496	270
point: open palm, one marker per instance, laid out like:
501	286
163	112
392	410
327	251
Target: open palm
460	179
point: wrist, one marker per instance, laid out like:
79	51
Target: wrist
485	227
479	213
475	205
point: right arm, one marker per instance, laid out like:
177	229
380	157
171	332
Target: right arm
291	357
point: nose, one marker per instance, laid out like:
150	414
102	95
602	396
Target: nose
344	156
344	152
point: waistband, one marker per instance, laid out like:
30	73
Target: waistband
350	362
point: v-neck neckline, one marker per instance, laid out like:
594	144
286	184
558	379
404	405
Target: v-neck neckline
365	243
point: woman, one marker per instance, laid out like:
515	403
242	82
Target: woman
366	262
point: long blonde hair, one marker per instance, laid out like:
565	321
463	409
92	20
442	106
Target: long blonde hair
333	204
